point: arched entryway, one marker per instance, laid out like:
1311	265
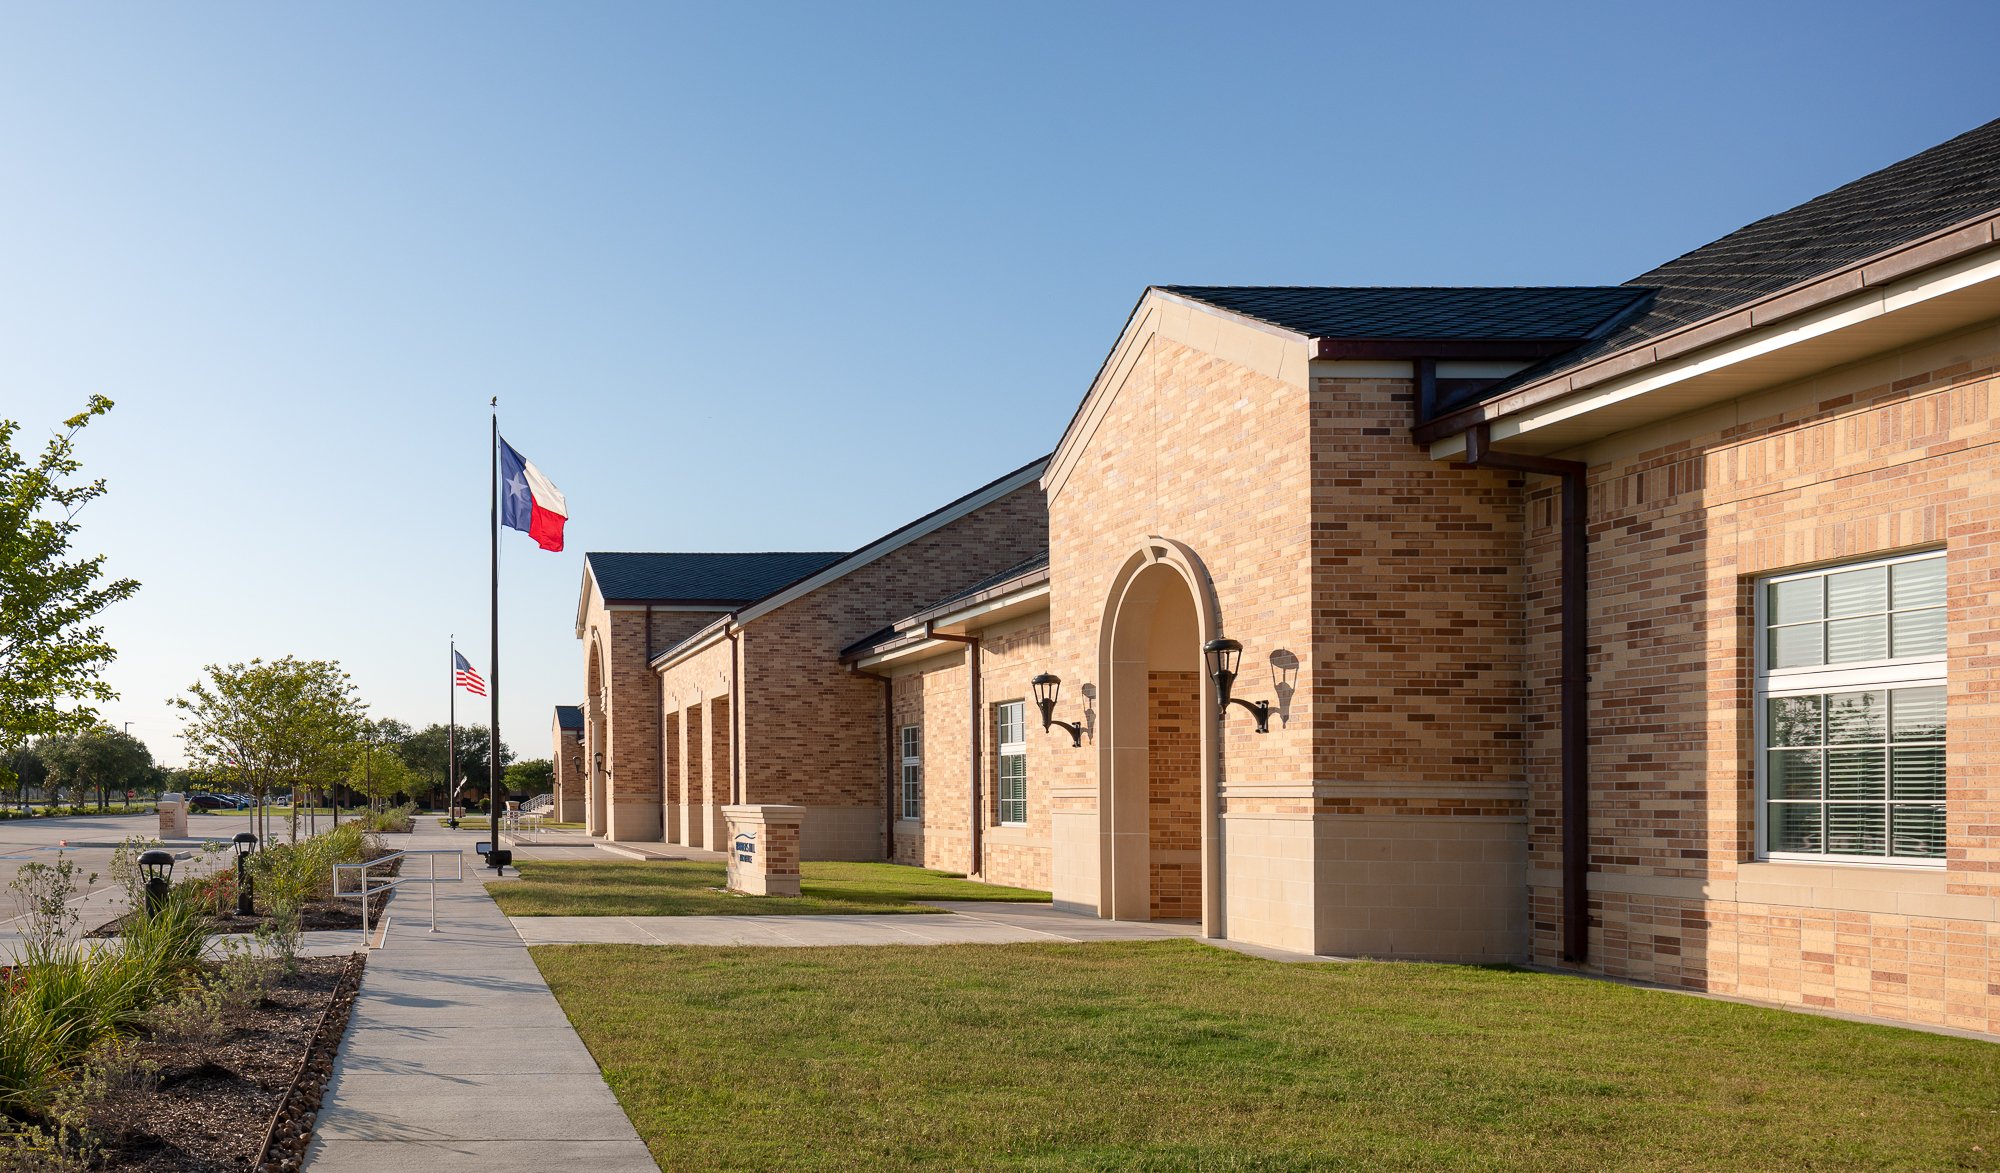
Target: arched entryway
595	813
1156	798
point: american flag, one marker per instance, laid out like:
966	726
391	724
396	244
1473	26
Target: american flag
465	677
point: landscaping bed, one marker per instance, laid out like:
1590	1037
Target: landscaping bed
215	1109
696	888
1177	1055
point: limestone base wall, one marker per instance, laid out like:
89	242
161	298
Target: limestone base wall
1424	887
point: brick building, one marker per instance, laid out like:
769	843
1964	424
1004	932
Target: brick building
1651	629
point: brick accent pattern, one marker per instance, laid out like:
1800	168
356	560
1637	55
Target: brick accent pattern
1173	774
932	696
1894	454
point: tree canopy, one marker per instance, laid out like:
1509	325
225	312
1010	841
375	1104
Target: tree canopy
288	723
424	752
51	655
530	777
99	762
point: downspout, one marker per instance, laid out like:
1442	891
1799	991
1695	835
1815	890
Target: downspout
1479	453
974	688
888	758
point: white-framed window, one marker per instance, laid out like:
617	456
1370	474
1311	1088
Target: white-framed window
913	772
1011	736
1851	712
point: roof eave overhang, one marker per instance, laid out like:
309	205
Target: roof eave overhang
1933	285
915	637
696	642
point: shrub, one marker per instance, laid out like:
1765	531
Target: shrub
394	820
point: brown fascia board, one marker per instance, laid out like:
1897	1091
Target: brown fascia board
1407	348
1888	265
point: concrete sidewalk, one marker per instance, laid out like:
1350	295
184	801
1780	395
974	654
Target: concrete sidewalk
457	1056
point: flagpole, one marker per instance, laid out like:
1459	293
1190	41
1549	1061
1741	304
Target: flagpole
493	800
451	738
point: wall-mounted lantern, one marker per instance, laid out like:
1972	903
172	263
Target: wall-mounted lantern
1224	655
1048	687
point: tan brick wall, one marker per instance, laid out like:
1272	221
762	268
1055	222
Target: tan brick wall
626	709
1376	596
1174	775
1215	454
812	731
567	756
1890	455
932	695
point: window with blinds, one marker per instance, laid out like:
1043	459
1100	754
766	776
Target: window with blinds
1011	736
1851	712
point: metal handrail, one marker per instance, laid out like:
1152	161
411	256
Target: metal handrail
431	880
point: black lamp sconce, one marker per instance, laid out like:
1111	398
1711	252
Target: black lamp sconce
1047	687
1224	655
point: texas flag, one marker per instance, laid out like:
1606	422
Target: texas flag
529	502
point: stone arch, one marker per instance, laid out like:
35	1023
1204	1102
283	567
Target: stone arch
1159	612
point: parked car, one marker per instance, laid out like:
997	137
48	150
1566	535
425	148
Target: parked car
216	802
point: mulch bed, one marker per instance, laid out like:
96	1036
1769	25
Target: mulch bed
214	1114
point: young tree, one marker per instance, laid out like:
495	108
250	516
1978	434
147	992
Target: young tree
424	751
380	776
530	777
288	723
96	762
51	655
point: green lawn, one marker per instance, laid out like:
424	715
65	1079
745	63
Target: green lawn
1174	1055
691	888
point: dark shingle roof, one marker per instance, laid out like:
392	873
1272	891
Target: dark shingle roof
1903	202
715	579
569	716
1422	312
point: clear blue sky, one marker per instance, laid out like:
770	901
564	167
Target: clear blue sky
779	276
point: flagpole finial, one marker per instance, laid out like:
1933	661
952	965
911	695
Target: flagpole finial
494	402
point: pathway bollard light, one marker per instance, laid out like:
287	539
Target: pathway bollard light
158	868
245	844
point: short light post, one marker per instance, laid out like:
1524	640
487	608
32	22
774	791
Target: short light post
245	844
1224	656
1048	687
158	868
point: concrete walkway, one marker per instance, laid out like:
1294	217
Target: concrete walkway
457	1056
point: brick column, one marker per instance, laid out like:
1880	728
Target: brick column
763	848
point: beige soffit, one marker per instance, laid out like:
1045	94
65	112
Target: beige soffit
1258	346
1941	283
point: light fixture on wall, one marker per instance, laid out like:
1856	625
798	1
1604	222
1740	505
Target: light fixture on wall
600	764
1047	687
1224	655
